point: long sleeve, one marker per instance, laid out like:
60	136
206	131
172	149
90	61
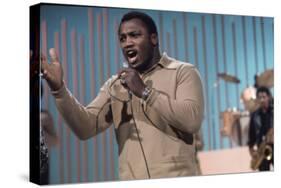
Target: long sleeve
185	112
87	121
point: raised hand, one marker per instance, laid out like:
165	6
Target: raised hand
52	72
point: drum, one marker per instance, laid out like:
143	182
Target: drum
235	125
240	131
228	120
248	97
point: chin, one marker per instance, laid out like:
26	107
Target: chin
135	65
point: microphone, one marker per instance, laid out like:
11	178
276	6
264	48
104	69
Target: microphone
123	81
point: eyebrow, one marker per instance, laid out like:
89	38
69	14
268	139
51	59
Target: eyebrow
130	32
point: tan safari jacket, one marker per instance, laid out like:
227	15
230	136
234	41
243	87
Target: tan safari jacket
165	122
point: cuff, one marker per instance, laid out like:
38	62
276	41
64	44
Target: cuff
60	92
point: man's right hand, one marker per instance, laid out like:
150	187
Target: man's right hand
52	72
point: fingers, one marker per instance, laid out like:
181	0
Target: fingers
124	71
44	62
44	66
53	55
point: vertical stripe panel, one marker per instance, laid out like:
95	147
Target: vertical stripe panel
76	94
195	46
109	152
211	127
161	40
256	59
263	42
58	122
236	85
82	100
168	43
245	50
185	34
101	140
67	158
175	39
225	67
217	83
91	51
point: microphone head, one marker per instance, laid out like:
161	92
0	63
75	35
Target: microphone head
125	64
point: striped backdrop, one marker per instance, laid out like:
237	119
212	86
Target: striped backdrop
86	40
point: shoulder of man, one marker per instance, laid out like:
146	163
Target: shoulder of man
171	63
110	80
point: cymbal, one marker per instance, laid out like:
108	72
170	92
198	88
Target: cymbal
229	78
266	78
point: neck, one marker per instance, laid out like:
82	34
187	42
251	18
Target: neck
153	61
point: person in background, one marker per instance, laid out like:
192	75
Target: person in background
261	128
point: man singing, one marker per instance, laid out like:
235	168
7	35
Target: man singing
156	105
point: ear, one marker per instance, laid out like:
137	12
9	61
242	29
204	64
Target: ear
154	39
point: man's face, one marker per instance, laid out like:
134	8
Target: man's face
264	99
136	43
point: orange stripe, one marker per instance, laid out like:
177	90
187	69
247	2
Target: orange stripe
93	84
100	51
101	69
106	41
82	98
60	123
61	158
59	120
118	67
107	55
76	94
110	175
65	68
91	51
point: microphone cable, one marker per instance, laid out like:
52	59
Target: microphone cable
135	124
142	149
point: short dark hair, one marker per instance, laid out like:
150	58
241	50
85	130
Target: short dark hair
263	89
146	19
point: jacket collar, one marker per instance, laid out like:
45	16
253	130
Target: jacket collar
165	61
168	62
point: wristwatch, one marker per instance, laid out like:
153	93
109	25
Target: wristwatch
147	90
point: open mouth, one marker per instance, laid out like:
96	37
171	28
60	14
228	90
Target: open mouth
131	55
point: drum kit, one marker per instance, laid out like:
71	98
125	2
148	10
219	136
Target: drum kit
234	123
